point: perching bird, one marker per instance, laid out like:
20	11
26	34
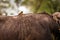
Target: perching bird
21	13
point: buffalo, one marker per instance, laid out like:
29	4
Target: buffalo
28	27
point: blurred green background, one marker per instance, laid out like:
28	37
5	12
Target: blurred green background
11	7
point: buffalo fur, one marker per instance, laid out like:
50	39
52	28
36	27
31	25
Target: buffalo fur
27	27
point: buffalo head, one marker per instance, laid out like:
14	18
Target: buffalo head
56	17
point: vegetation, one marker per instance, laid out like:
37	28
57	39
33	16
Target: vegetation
3	5
49	6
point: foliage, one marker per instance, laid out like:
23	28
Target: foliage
54	5
33	4
49	6
36	6
17	2
3	5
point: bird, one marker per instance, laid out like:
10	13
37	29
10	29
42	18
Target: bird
21	13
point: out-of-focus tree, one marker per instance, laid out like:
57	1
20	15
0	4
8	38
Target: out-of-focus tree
53	6
7	5
49	6
18	2
3	5
33	4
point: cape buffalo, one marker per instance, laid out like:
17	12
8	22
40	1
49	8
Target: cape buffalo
27	27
